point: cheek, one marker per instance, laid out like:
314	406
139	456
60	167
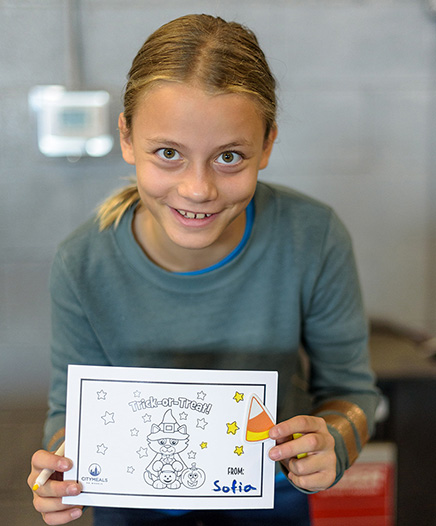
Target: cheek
151	183
240	189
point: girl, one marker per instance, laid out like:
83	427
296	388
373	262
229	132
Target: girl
199	265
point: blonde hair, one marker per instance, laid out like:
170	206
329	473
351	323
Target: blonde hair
111	211
219	56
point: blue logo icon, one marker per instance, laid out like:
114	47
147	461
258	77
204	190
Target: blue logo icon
94	470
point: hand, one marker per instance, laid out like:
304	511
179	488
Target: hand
48	498
316	471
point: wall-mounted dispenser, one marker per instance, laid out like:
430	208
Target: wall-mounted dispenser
71	123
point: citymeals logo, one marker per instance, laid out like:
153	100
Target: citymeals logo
94	470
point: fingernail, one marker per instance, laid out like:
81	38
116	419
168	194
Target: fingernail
73	490
64	464
274	454
76	513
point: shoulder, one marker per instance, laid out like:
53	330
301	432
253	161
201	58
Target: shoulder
83	241
298	214
83	252
290	200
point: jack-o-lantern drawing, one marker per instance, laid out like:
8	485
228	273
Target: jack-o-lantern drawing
193	477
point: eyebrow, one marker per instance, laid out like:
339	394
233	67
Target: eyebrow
235	144
161	140
173	144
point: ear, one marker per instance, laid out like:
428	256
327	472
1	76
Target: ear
126	141
267	147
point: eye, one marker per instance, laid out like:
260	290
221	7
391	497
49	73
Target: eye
229	158
169	154
174	442
162	441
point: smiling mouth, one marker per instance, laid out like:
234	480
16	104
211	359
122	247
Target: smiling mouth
192	215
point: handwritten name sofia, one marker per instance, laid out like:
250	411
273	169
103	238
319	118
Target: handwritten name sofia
235	487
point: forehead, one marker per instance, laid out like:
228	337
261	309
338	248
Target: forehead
184	110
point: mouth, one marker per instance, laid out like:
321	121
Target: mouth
192	215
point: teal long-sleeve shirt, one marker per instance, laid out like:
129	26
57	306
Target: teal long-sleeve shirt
294	285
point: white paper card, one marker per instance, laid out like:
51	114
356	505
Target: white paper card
171	438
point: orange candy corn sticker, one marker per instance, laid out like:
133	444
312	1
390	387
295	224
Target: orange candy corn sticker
259	422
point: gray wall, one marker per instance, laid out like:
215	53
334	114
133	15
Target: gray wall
357	129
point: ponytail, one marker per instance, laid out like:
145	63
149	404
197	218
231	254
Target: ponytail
112	210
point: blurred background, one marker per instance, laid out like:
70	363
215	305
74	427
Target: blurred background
357	129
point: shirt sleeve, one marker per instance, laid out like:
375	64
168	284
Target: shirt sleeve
335	337
73	341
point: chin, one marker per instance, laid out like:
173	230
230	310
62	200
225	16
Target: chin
193	242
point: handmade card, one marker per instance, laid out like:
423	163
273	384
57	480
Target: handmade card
171	438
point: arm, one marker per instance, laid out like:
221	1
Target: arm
341	383
71	334
73	341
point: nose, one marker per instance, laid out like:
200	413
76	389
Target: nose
198	184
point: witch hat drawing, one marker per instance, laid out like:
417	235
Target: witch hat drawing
259	421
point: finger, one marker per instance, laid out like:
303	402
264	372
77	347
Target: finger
62	517
44	459
55	488
294	448
49	505
298	424
317	481
306	466
316	472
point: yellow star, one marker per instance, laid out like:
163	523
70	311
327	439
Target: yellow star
232	428
238	397
203	445
239	450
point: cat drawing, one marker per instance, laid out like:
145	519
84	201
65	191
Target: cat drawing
167	440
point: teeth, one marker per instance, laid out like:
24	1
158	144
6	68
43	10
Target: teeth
191	215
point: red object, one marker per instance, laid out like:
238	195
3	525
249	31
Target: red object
365	496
